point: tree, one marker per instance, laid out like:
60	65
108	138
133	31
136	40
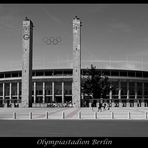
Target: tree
95	84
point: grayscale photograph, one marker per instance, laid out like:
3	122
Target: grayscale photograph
74	70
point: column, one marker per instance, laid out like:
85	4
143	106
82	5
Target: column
112	101
62	92
127	90
110	97
119	94
53	91
18	93
27	45
97	105
135	101
18	88
43	92
142	90
135	90
76	85
128	104
10	92
34	89
4	94
142	101
110	94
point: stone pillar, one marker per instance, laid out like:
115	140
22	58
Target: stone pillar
110	97
18	93
18	90
53	91
10	92
119	91
4	94
27	43
76	85
127	90
82	96
62	92
34	89
142	101
110	94
119	94
142	90
128	104
135	101
43	92
97	103
136	90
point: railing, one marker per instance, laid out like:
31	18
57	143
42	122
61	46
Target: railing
78	116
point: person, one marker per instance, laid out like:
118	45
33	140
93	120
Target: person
100	107
104	106
92	105
70	104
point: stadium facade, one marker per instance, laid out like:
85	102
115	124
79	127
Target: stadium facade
56	85
38	88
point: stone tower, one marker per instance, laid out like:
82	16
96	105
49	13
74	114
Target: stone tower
27	43
76	88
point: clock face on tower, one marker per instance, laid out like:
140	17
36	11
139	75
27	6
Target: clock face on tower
25	36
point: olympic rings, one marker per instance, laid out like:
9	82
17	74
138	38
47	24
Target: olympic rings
52	40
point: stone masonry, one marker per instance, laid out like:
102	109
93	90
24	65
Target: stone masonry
76	91
27	43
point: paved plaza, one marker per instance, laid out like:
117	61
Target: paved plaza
73	122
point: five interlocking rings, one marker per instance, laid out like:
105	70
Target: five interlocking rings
52	40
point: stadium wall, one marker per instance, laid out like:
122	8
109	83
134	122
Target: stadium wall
55	85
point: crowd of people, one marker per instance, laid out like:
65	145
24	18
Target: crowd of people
55	104
103	106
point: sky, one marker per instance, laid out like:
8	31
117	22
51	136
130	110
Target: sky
112	35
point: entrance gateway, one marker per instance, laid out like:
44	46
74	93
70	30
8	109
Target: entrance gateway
27	44
132	85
